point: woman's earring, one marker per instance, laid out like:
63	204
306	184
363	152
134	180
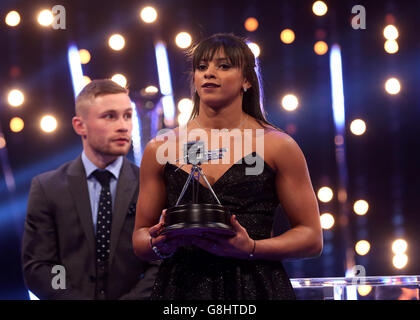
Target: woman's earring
245	89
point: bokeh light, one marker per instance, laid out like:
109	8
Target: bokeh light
321	48
319	8
325	194
86	80
393	86
182	119
12	18
116	42
358	127
364	290
327	221
362	247
16	124
399	246
400	260
151	90
148	14
15	98
84	56
391	46
45	18
290	102
185	105
120	79
391	32
251	24
287	36
183	40
2	141
48	124
361	207
255	48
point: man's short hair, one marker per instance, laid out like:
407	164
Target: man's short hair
96	88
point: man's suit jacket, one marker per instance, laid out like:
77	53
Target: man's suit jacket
59	231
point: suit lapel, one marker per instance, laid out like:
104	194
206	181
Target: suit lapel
79	190
126	187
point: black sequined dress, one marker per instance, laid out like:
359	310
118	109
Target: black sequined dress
194	274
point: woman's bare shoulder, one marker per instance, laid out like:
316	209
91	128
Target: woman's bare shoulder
280	148
277	137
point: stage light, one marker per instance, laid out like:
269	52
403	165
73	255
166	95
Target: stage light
45	18
360	207
116	42
399	246
185	105
251	24
183	40
287	36
75	67
358	127
16	124
362	247
84	56
391	46
391	32
165	83
364	290
290	102
136	136
327	221
183	119
120	79
2	141
15	98
319	8
325	194
255	48
321	48
393	86
48	123
400	260
337	88
12	19
86	80
148	14
151	90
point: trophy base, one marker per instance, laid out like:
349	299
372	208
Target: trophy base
197	218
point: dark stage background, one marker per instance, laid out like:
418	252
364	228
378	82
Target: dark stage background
382	164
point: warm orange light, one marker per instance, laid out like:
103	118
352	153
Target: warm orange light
84	56
251	24
287	36
321	48
13	18
16	124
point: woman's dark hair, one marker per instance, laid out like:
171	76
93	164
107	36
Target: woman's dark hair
240	56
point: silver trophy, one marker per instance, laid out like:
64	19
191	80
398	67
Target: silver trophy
195	218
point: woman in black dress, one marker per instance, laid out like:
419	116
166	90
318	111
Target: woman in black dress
270	170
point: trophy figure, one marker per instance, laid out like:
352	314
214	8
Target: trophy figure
195	218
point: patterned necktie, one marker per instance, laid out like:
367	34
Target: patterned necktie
103	225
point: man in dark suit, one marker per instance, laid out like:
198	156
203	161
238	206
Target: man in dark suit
77	242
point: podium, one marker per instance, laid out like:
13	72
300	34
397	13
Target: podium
358	288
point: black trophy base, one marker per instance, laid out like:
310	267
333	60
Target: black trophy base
198	218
